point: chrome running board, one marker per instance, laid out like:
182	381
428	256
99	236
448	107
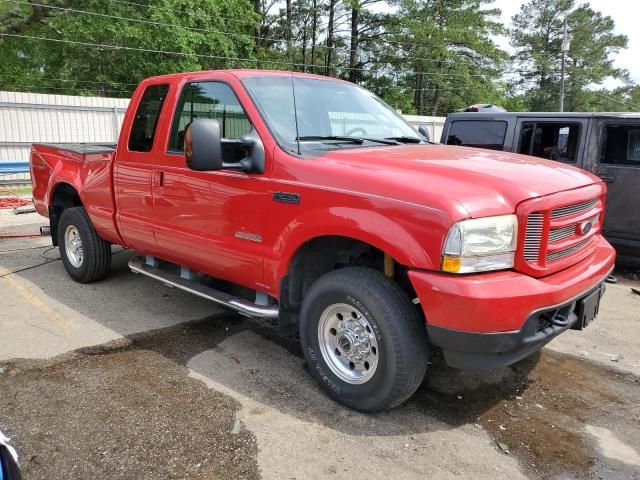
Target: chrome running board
245	307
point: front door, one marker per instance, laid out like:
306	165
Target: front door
560	139
213	222
618	164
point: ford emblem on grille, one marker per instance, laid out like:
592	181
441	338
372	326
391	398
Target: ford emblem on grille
585	227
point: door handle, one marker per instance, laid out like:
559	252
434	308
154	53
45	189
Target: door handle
158	178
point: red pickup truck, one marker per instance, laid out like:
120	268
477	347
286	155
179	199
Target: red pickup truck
309	201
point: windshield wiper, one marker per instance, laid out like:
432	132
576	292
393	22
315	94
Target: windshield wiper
358	140
311	138
405	139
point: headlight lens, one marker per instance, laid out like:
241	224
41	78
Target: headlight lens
481	244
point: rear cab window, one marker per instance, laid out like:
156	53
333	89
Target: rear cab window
554	141
145	122
621	145
478	133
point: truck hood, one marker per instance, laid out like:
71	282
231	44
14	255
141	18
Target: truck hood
482	182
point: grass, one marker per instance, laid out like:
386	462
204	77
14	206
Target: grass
19	190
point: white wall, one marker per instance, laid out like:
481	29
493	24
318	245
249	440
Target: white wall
27	118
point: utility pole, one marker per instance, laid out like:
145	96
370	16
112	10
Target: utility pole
566	42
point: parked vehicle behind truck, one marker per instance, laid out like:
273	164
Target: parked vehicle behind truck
309	201
607	144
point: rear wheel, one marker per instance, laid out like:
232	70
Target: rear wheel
86	256
363	339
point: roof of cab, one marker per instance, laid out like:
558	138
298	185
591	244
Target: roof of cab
239	73
507	115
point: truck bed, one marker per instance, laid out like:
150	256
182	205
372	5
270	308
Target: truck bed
88	169
81	148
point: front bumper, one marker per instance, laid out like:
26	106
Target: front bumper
493	319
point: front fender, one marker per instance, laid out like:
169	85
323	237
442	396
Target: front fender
386	234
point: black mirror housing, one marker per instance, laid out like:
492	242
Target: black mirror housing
203	145
203	148
422	129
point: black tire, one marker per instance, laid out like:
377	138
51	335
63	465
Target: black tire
96	257
398	329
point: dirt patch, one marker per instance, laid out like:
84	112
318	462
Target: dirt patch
539	411
127	414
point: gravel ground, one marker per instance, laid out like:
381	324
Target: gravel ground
127	414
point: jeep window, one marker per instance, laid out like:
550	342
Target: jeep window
146	120
324	110
553	141
621	145
477	133
208	100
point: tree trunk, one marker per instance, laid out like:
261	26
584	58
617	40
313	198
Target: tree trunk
418	97
330	28
304	46
314	34
353	53
437	96
288	34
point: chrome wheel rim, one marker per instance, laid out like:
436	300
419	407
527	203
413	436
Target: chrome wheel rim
73	246
348	343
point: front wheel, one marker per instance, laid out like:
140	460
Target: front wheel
86	256
363	339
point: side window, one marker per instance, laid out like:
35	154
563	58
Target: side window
621	145
475	133
208	100
553	141
146	119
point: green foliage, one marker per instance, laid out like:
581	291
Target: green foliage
428	57
537	35
206	34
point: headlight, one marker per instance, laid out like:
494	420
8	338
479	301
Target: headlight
480	245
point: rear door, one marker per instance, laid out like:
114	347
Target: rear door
562	140
134	168
618	164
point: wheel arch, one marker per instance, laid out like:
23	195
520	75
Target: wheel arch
63	195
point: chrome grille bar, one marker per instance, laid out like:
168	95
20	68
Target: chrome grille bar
562	233
533	236
573	209
568	251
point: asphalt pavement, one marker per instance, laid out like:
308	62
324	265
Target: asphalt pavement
126	378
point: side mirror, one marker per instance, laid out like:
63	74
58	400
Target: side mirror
203	145
422	130
203	148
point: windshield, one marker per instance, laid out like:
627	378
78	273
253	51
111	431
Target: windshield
327	112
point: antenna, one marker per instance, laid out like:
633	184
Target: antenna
295	112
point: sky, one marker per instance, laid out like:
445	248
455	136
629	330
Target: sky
625	14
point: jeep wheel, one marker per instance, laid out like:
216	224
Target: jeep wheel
363	339
86	256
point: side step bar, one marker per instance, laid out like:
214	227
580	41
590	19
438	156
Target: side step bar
245	307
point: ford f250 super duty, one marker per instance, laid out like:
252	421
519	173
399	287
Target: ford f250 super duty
309	201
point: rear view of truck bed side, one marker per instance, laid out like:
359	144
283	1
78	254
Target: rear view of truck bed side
67	175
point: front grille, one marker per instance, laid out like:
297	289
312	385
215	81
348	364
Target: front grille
552	257
533	235
535	245
573	209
